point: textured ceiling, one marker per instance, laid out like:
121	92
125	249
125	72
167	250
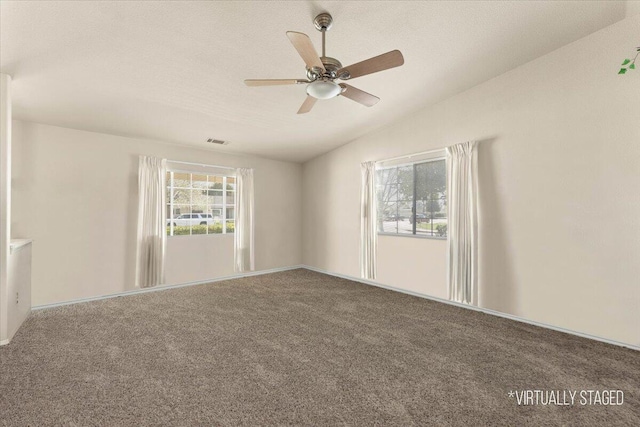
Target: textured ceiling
173	71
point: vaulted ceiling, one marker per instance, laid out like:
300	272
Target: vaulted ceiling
174	71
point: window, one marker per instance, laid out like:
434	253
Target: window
200	204
412	199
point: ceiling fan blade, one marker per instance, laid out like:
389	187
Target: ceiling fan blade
307	105
272	82
358	95
305	48
372	65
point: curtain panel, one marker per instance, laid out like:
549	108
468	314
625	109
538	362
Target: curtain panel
462	184
368	221
152	231
244	231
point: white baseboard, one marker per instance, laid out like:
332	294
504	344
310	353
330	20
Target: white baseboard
470	307
164	287
4	342
343	276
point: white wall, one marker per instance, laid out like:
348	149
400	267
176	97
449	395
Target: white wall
5	200
632	7
19	286
75	195
559	165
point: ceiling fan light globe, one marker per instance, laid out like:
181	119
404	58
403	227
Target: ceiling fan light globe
323	89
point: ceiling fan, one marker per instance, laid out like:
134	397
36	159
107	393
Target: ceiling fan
322	71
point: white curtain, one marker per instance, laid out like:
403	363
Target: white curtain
243	256
462	184
368	222
152	228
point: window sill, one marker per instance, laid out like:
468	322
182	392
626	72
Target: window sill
201	235
414	236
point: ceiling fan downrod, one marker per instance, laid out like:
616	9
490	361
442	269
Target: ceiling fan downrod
323	23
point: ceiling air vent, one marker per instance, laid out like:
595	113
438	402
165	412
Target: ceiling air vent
217	141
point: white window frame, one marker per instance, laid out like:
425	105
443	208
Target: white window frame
210	207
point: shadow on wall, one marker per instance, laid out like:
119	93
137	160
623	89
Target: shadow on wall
497	290
132	226
320	213
22	179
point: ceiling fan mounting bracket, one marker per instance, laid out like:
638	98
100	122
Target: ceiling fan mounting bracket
323	22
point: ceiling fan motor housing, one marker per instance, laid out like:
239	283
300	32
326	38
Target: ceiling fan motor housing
331	66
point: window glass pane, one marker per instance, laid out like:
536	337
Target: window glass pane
199	221
215	197
389	211
386	176
440	218
231	213
181	196
405	209
197	210
387	217
199	181
199	229
405	226
181	180
181	220
430	181
199	197
404	221
182	230
215	182
179	210
431	189
169	217
388	193
207	191
231	226
215	227
405	183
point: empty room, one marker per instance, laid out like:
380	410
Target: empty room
223	213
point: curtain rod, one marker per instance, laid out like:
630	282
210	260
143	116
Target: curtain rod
200	164
408	156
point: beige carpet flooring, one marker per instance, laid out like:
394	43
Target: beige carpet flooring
299	348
